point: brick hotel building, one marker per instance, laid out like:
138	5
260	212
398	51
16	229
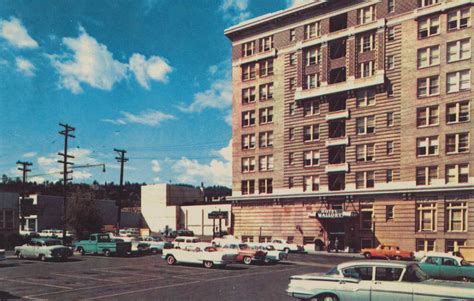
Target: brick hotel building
354	120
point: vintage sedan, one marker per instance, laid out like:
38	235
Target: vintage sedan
247	255
44	249
449	267
284	245
387	251
376	280
157	244
273	255
202	254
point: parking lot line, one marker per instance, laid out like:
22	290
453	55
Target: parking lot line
38	283
86	277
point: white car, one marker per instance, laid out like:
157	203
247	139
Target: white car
206	255
53	233
157	244
273	255
283	245
220	241
373	280
2	254
420	254
182	242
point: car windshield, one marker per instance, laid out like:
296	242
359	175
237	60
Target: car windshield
244	246
415	274
53	243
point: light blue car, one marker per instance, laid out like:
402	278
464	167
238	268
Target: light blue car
382	280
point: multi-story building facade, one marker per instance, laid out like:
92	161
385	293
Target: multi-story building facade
353	120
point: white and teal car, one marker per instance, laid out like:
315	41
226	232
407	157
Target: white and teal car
157	244
376	280
44	249
201	254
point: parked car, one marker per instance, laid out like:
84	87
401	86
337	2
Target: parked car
178	233
246	254
44	249
449	267
102	243
55	233
182	242
2	254
220	241
157	244
273	255
376	280
387	251
283	245
206	255
139	247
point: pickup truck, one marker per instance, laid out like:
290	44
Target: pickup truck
100	243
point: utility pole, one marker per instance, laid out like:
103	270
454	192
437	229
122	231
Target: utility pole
121	158
66	132
24	169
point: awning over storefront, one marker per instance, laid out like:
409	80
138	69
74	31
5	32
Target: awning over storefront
332	213
218	214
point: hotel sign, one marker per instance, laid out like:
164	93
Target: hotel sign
333	213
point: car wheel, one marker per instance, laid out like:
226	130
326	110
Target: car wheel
465	279
286	250
325	298
208	264
367	255
154	251
170	260
398	258
107	253
247	260
19	255
81	251
42	257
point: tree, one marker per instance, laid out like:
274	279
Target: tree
82	215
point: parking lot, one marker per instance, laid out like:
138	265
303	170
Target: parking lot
149	277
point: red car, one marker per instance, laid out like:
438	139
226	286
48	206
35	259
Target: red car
387	251
246	255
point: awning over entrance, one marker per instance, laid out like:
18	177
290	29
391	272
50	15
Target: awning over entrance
218	214
332	213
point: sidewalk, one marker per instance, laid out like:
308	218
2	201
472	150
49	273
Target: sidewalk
340	254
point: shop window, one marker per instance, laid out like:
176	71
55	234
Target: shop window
452	245
264	239
425	245
247	238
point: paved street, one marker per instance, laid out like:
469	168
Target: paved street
148	277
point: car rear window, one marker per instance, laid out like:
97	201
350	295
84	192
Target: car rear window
387	273
362	273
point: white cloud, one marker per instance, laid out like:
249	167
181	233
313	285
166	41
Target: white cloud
218	96
157	180
25	66
291	3
155	68
155	166
49	164
235	10
38	180
30	154
228	118
216	172
16	34
149	117
89	63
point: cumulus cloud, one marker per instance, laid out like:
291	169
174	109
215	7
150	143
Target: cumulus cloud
16	34
88	62
218	96
49	164
145	70
155	166
235	10
291	3
25	66
149	117
38	180
216	172
30	154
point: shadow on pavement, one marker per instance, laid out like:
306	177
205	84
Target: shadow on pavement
7	296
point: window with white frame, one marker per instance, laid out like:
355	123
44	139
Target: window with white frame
248	118
266	44
366	43
458	81
390	119
248	95
456	213
248	141
427	116
311	107
310	183
311	132
428	56
457	143
312	81
265	163
248	49
427	146
366	14
425	245
365	125
266	67
366	69
391	34
291	158
291	108
389	148
248	164
365	179
423	3
292	59
291	182
459	19
459	50
311	158
292	35
248	72
266	115
312	30
265	186
457	173
7	219
457	112
389	176
365	98
426	215
390	62
291	134
391	6
266	92
365	152
428	27
265	139
426	174
291	83
366	216
248	187
428	86
313	56
452	245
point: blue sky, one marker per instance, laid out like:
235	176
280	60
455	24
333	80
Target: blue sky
151	77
